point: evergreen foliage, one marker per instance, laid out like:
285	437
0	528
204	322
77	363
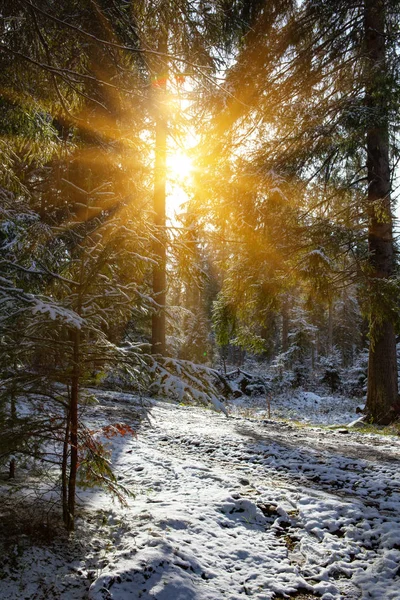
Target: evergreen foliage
284	249
305	127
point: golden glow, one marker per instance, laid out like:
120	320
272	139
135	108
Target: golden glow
180	166
179	171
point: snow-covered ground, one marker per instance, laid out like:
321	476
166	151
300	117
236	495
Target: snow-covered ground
245	506
302	406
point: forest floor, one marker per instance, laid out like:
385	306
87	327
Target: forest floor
224	508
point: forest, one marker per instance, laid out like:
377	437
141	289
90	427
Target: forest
197	210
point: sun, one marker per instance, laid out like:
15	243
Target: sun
180	166
180	169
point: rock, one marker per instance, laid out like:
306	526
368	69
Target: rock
268	509
244	481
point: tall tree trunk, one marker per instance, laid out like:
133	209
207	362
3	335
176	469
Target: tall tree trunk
158	343
13	419
382	396
73	409
64	466
73	421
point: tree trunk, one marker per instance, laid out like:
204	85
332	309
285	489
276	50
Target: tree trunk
64	467
13	415
158	343
382	396
73	423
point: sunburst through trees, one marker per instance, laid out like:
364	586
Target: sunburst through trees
182	183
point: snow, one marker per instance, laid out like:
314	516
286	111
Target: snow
55	311
228	508
303	406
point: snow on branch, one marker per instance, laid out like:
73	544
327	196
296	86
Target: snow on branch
55	311
185	381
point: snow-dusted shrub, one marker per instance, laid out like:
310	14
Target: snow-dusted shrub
248	384
185	381
331	378
331	372
354	379
300	375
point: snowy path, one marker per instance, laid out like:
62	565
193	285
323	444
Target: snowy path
228	509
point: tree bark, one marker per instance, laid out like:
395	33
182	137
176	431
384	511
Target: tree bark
73	421
382	396
64	467
73	412
158	342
